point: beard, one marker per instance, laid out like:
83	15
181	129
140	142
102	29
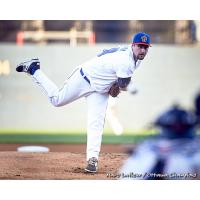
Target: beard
141	56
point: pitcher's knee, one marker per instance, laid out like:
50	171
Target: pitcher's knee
55	102
96	127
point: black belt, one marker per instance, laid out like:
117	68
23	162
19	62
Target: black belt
84	76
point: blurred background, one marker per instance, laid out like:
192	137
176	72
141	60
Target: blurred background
98	31
169	74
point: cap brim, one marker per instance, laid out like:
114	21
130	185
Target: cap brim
142	43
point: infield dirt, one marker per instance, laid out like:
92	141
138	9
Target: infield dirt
57	165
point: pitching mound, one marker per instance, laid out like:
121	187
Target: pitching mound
56	165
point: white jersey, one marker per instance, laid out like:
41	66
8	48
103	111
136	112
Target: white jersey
105	68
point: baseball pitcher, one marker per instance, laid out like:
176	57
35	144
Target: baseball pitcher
106	74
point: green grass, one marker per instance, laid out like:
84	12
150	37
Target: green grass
73	137
64	139
70	137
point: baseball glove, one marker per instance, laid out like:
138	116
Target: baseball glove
114	90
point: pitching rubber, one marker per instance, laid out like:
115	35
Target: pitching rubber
33	149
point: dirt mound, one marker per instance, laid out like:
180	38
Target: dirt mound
56	165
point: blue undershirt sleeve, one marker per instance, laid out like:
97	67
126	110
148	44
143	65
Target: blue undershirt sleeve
123	82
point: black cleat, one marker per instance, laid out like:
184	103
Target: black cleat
92	165
29	66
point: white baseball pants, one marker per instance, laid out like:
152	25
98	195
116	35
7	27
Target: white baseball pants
74	88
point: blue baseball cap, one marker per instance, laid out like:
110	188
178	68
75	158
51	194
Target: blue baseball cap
142	38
